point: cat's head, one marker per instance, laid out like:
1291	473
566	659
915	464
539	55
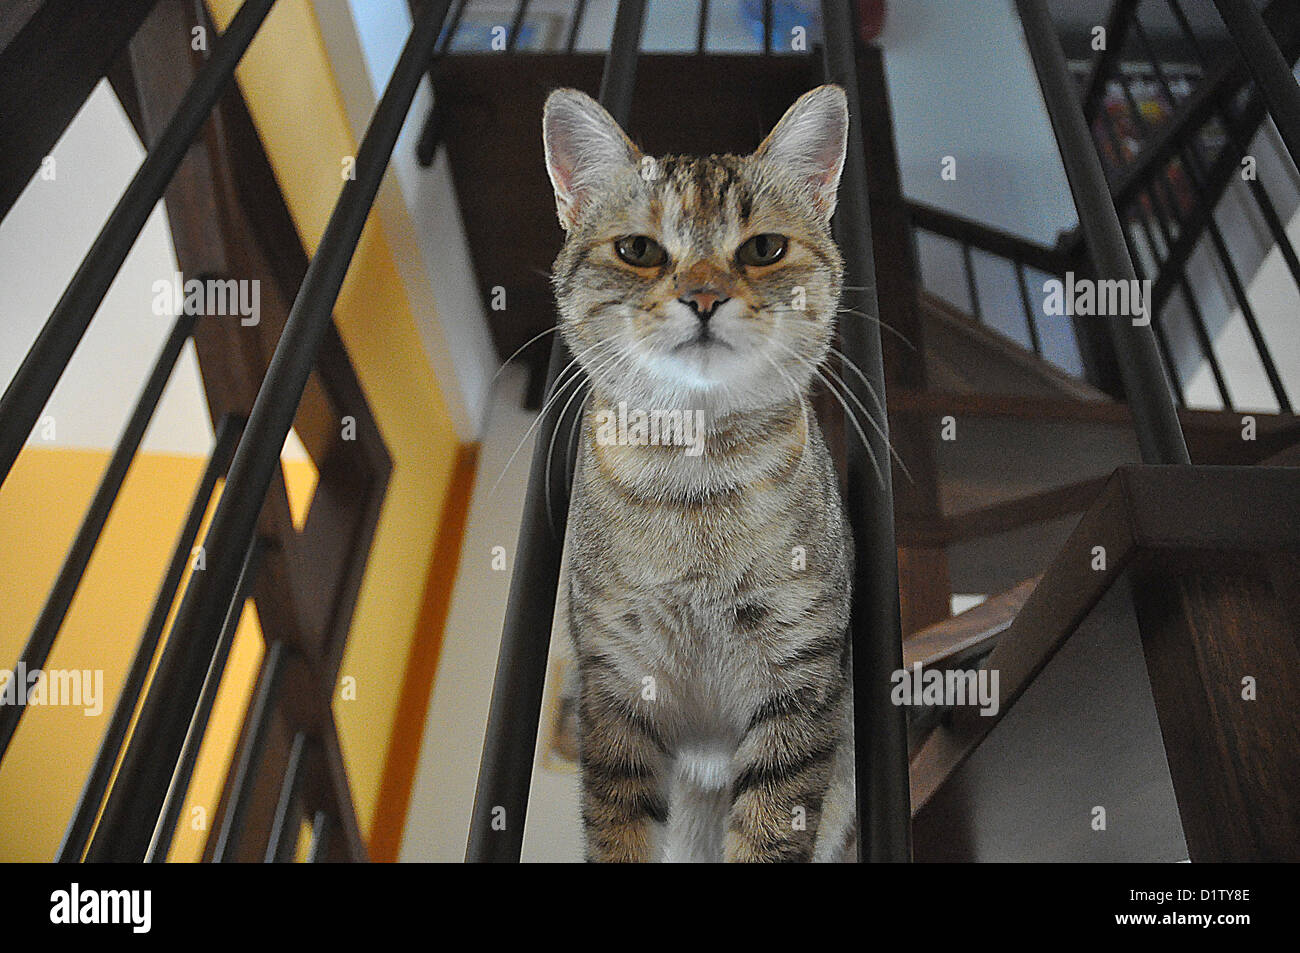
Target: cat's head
697	282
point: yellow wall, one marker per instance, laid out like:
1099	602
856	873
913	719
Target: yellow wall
41	506
294	101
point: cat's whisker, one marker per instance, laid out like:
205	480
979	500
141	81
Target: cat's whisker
573	431
506	362
557	390
884	326
874	423
869	415
875	396
848	412
803	404
786	309
871	390
559	423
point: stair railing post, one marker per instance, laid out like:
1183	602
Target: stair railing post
880	727
496	830
34	381
1155	416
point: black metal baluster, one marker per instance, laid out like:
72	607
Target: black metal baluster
1117	24
198	722
1155	415
55	610
880	727
505	771
575	26
449	29
1197	317
1162	340
1185	26
1196	172
142	783
1031	316
92	794
30	389
1272	219
767	26
262	709
284	833
426	149
319	847
512	41
702	28
972	286
1264	59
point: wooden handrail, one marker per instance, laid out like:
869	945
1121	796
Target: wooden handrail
1054	261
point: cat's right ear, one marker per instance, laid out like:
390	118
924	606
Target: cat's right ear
584	145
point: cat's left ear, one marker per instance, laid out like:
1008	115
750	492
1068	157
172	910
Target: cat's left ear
810	141
584	146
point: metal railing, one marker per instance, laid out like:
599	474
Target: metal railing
1160	437
1169	175
505	773
1019	256
1169	186
140	776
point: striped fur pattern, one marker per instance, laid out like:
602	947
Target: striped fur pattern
709	594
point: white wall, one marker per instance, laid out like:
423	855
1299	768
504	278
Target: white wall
961	84
417	207
43	240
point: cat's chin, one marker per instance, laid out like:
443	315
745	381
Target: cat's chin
720	382
701	368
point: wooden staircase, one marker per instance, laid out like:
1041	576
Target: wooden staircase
1174	597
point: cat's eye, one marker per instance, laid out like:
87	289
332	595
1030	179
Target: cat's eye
640	250
765	249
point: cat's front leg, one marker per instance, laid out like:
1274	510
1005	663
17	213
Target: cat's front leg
623	763
783	769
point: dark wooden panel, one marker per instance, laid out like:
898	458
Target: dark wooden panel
1210	620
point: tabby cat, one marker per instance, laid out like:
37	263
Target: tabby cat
709	592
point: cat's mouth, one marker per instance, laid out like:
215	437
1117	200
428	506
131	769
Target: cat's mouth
704	340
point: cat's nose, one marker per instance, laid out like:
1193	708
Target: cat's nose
704	302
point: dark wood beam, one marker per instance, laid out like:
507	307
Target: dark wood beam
1221	636
53	54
